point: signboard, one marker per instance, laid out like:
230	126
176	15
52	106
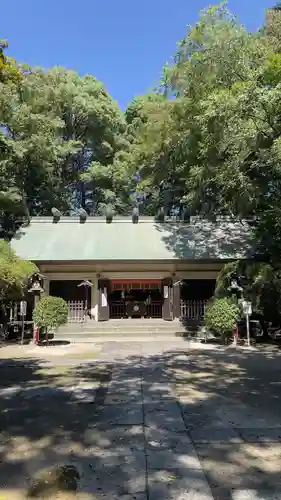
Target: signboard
23	306
247	308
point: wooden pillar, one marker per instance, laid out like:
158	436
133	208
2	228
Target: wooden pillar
167	309
176	298
103	306
94	298
46	286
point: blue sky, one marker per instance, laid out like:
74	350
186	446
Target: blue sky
123	43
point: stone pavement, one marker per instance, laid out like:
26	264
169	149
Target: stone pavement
167	421
164	463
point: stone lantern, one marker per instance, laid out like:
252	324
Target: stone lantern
36	288
234	287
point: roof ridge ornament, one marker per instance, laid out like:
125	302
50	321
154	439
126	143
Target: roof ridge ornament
160	216
109	214
135	215
56	215
83	215
186	216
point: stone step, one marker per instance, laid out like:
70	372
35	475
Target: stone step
120	329
132	331
121	332
129	329
127	322
105	331
127	326
133	337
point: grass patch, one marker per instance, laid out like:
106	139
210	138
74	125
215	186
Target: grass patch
59	375
81	355
55	370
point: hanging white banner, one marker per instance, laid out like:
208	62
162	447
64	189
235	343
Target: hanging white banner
104	298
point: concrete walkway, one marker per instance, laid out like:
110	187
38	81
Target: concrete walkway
147	421
157	459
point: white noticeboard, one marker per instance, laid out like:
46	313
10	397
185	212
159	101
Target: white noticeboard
23	306
103	299
247	308
166	292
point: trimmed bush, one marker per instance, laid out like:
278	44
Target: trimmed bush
50	313
221	316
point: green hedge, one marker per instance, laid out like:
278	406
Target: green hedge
221	316
50	313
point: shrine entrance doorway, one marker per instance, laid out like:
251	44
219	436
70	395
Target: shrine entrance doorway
135	299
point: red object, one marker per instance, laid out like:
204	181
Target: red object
235	333
36	334
135	284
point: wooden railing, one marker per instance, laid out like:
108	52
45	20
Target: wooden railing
117	310
190	309
76	311
154	310
193	309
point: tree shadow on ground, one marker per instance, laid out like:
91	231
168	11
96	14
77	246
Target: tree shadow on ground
135	423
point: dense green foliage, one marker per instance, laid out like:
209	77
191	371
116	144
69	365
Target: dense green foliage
217	142
261	285
215	145
221	316
57	128
14	274
50	313
9	72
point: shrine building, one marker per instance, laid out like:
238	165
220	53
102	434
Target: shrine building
129	267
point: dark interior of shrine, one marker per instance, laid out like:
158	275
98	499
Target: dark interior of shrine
197	289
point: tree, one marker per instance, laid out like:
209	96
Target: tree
93	120
216	53
147	157
273	25
14	273
185	141
57	127
14	276
217	143
50	313
29	163
261	285
133	187
9	72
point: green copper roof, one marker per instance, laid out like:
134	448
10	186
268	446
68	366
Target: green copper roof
68	239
